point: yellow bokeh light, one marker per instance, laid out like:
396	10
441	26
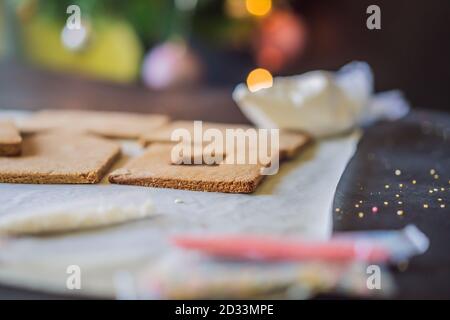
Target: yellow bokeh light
259	79
258	7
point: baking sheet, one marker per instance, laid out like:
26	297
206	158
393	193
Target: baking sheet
297	201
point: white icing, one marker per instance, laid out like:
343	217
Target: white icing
76	215
319	102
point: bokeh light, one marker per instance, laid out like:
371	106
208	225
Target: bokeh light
74	39
282	39
169	64
259	79
259	7
236	8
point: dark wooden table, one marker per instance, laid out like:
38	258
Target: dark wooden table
414	145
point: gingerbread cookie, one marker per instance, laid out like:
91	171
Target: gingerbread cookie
154	169
121	125
10	139
59	158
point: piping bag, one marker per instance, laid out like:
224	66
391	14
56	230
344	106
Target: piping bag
322	103
252	266
370	246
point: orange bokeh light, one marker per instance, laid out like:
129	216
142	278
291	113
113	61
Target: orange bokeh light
258	7
259	79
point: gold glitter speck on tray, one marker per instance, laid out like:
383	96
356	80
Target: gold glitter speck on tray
442	206
400	212
385	203
402	266
398	172
337	209
432	171
386	186
360	214
425	205
414	182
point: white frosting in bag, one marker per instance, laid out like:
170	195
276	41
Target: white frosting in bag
321	103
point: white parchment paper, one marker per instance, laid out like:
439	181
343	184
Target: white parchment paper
297	201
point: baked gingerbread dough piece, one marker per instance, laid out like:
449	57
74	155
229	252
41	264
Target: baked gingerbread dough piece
59	158
164	133
290	142
154	169
196	153
10	139
120	125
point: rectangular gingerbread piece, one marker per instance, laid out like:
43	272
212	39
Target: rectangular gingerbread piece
10	139
290	143
154	169
59	158
121	125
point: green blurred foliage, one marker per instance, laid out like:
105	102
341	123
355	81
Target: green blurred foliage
156	20
150	19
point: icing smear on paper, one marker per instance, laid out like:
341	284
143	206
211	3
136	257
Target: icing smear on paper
73	216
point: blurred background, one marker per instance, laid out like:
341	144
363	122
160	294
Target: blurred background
140	52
